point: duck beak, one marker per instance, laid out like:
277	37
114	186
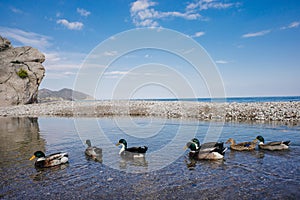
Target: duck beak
118	144
33	157
185	147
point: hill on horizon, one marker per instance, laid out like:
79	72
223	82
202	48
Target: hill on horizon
63	94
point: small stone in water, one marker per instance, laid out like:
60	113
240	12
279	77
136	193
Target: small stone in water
110	179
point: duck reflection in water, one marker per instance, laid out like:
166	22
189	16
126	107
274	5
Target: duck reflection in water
42	173
191	163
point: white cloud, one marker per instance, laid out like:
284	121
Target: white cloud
83	12
58	14
61	75
291	25
110	53
256	34
143	14
209	4
116	73
221	62
141	5
198	34
70	25
61	61
26	38
16	10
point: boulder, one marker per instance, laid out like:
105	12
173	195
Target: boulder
21	73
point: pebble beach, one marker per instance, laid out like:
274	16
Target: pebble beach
254	111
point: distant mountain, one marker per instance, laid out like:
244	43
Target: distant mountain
63	94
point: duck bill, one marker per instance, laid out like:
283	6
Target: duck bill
118	144
32	157
185	147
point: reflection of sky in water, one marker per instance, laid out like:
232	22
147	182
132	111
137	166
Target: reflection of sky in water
248	173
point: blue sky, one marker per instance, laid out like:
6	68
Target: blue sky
255	44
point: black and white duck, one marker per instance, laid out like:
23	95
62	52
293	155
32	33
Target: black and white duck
93	152
49	161
272	146
136	150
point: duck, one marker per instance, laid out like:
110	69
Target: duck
208	145
242	146
139	151
93	152
272	146
49	161
206	151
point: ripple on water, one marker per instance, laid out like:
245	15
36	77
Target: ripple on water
247	175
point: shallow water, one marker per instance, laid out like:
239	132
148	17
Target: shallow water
165	172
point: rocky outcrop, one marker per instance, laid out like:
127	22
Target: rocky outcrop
21	73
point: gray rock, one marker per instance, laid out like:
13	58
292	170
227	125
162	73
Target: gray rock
14	88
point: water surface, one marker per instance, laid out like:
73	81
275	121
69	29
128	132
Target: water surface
247	175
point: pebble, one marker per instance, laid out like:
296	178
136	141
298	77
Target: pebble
257	111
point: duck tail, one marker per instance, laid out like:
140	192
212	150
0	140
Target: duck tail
143	149
287	143
146	148
64	154
219	145
220	150
224	150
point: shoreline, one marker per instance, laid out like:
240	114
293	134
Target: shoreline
258	111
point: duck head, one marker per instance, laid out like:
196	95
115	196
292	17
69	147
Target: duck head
261	139
231	141
88	142
191	145
37	154
122	142
124	145
196	141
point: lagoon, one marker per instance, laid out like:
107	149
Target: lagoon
165	173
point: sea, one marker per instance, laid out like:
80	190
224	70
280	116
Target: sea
233	99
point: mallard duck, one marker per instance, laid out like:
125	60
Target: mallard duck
209	145
242	146
49	161
207	151
124	149
280	145
93	152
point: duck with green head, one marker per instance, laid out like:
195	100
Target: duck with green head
207	151
49	161
93	152
125	149
209	145
272	146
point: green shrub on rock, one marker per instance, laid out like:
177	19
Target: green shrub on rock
22	73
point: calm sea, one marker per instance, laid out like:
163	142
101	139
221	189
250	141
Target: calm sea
234	99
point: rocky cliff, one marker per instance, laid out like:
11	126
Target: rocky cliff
21	72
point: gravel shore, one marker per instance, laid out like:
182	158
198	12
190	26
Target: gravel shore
262	111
